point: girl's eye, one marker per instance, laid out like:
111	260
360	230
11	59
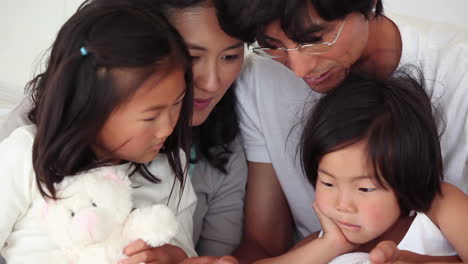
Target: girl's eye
230	57
149	119
326	184
195	58
367	189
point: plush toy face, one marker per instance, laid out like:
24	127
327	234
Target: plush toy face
90	207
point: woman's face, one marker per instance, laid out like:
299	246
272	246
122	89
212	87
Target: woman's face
217	57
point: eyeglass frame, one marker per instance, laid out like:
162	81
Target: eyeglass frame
301	46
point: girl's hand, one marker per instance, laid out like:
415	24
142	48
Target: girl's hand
333	234
211	260
384	252
140	252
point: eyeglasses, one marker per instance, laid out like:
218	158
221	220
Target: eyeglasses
312	48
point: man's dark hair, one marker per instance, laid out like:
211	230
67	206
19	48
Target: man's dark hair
247	19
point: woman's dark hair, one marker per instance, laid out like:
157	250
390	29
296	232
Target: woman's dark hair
212	139
395	119
247	19
76	94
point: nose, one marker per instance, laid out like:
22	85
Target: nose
345	203
207	78
301	64
166	124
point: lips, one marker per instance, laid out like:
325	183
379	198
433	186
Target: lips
158	146
201	103
348	225
317	79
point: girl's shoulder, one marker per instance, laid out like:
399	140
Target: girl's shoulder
18	143
22	134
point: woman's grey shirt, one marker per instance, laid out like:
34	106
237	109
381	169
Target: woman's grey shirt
219	214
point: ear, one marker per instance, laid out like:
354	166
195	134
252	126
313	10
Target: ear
117	177
113	177
45	207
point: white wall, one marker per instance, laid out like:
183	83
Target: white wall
28	27
446	11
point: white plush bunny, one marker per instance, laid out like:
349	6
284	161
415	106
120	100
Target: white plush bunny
93	219
352	258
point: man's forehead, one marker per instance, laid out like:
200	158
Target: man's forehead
310	25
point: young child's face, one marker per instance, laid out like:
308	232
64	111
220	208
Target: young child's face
346	192
138	128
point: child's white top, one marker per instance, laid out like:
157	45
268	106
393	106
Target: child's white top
425	238
22	236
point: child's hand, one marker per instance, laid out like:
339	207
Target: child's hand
140	252
384	252
333	234
211	260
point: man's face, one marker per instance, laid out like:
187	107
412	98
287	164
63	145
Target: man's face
323	72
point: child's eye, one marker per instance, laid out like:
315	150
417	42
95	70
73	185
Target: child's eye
367	189
149	119
195	58
326	184
230	57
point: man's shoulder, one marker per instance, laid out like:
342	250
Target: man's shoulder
263	71
265	79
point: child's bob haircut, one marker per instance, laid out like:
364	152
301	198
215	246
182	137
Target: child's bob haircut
395	118
81	85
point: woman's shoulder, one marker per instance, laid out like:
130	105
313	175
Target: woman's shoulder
266	70
236	168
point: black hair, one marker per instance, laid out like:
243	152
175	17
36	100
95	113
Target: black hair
247	19
396	119
212	139
76	94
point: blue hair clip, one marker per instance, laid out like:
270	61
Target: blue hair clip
83	51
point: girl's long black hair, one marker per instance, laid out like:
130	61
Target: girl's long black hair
76	94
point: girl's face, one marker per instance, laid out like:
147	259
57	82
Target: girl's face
217	57
346	192
138	128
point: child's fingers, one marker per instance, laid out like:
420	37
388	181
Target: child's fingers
324	221
135	247
384	252
211	260
200	260
149	255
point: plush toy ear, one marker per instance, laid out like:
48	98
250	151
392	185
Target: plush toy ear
113	177
45	208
